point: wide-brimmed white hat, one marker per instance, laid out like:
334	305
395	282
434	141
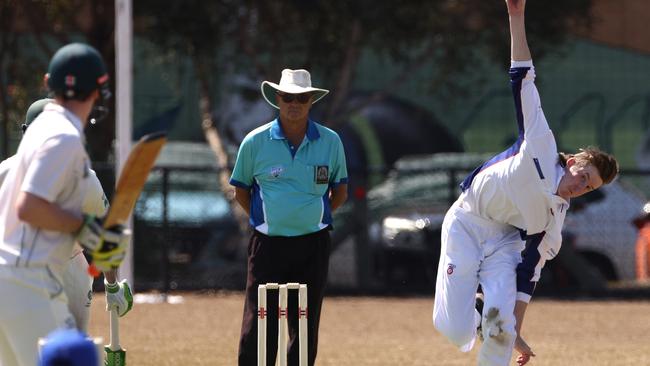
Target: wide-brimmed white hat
291	82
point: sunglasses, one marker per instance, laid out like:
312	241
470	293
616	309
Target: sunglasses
301	98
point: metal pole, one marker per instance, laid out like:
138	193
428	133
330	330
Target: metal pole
452	186
361	238
123	104
166	231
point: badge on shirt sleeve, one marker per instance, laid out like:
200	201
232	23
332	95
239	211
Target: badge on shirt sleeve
321	174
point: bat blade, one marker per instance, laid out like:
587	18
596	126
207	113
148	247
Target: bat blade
131	181
115	355
133	177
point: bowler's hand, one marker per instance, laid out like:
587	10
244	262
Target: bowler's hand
516	7
525	352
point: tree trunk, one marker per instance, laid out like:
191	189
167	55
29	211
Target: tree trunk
346	74
5	115
214	140
394	84
5	33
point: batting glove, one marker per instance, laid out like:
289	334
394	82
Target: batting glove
106	247
118	297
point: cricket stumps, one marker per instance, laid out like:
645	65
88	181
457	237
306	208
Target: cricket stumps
283	326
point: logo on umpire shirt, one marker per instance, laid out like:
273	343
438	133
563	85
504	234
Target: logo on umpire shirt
276	171
450	268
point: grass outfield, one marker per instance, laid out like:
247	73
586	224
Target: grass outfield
357	331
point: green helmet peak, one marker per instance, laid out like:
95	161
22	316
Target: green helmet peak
76	70
35	109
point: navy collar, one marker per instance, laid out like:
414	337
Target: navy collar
277	133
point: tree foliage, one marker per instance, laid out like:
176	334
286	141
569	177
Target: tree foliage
39	28
328	37
261	37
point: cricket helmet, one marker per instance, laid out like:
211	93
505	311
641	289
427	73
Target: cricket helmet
34	110
76	70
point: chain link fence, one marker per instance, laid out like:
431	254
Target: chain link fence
186	238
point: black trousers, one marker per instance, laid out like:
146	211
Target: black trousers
302	259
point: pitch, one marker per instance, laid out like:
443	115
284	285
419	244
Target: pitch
359	331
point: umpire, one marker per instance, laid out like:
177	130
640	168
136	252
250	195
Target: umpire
289	176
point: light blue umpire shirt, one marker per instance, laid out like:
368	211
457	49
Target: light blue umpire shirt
290	185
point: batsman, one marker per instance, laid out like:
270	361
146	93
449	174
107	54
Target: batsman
77	284
41	208
507	221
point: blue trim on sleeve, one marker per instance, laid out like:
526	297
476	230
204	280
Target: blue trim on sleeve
341	181
257	210
236	183
530	259
516	77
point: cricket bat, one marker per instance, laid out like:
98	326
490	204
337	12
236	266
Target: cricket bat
115	355
131	181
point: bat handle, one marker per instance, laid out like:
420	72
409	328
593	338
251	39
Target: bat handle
93	271
115	331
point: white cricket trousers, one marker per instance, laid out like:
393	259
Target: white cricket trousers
475	250
32	305
78	286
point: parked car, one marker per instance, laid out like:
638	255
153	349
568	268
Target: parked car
406	250
604	233
404	215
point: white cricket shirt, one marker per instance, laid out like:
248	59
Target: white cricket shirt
51	163
94	203
4	168
518	186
